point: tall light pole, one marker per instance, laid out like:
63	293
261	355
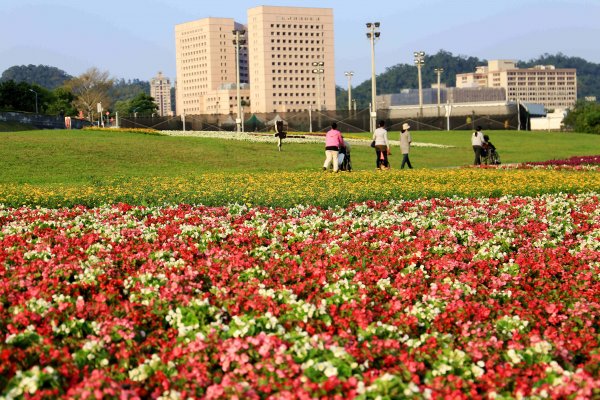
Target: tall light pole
372	34
319	71
439	71
238	42
349	75
419	61
36	100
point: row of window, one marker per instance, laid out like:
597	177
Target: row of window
290	26
292	86
312	56
296	71
296	41
292	102
295	49
294	34
288	95
540	73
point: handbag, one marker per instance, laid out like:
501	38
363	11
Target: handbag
373	143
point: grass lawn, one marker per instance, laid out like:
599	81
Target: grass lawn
57	156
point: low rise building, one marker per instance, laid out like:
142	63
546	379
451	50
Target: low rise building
542	84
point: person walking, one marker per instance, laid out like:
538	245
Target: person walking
333	142
280	134
382	146
405	141
477	141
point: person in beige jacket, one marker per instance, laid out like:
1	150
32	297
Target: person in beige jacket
382	146
405	141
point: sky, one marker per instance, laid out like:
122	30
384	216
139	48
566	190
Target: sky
135	38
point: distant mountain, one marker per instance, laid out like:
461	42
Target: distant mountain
402	76
42	75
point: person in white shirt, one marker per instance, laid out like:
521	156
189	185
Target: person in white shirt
405	141
477	141
382	146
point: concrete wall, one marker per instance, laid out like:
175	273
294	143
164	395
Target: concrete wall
42	121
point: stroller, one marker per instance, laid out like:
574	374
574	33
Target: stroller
489	155
344	161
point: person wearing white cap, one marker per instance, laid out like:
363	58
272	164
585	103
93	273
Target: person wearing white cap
405	141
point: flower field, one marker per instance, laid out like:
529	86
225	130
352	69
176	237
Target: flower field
287	189
489	297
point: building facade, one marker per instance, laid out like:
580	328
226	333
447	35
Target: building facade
286	65
291	53
160	90
555	88
206	64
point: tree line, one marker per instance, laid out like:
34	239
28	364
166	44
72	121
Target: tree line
52	91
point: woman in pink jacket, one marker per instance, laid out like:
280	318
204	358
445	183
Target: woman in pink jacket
333	142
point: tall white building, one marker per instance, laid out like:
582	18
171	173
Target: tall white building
206	66
287	64
291	52
160	90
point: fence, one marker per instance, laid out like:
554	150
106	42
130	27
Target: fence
41	121
320	121
313	121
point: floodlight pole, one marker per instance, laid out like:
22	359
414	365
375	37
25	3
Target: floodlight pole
419	61
349	75
372	34
238	42
438	71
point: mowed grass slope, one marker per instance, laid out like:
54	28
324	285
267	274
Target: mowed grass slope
58	156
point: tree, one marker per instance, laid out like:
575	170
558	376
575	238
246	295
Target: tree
143	104
127	90
585	117
42	75
22	97
62	102
89	89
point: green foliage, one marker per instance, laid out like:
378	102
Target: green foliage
19	97
22	97
143	104
62	102
123	90
585	117
41	75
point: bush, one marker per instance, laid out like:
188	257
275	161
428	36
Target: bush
585	117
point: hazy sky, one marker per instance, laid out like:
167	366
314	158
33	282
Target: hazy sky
135	38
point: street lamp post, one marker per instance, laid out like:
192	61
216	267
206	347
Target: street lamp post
238	42
372	34
36	100
439	71
319	71
349	75
419	61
